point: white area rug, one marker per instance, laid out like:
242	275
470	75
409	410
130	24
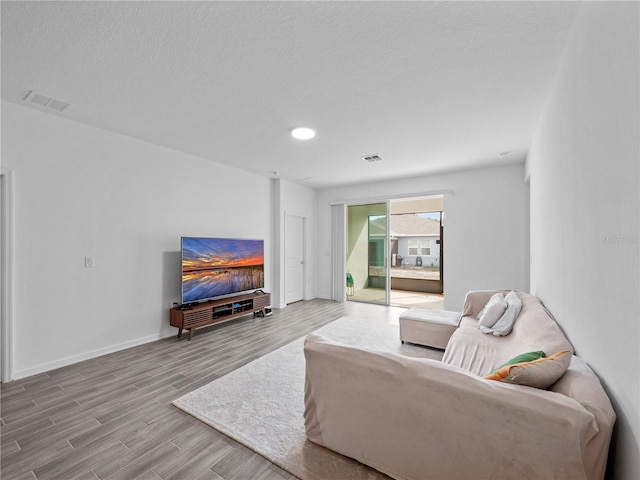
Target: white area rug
261	404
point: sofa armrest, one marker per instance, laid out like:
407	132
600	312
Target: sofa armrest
581	383
422	419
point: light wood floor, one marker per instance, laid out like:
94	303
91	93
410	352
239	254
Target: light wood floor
112	418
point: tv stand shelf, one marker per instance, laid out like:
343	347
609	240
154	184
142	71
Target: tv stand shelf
215	311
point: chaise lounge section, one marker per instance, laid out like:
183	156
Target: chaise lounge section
422	419
431	328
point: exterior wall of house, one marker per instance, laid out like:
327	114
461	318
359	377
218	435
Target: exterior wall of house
584	168
431	260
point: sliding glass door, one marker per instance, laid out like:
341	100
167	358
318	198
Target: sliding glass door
367	267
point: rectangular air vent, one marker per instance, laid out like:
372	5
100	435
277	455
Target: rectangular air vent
38	99
58	105
372	158
44	101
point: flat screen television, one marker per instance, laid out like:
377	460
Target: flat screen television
219	267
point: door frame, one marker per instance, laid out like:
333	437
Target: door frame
6	289
387	263
288	215
339	234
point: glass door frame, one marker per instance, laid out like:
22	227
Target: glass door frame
386	261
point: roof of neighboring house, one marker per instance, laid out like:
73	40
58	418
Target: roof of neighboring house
404	225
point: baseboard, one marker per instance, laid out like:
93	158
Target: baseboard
64	362
284	305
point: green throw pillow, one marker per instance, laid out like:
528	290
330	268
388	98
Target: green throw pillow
540	373
523	357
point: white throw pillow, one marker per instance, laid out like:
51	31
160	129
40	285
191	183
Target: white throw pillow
504	325
492	311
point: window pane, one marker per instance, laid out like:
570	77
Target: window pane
413	247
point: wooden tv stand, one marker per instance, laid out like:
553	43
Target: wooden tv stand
216	311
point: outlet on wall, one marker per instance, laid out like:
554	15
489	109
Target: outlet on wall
89	262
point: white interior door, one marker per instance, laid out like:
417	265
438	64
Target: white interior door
294	258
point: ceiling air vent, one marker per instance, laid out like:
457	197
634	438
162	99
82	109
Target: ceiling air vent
372	158
45	101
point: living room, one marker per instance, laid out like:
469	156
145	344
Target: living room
561	221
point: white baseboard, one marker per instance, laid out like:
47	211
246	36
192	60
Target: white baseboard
285	305
64	362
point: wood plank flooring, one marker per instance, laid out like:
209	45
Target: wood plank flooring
111	417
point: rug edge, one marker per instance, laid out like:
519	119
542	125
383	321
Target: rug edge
238	438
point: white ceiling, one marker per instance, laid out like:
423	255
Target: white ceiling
429	86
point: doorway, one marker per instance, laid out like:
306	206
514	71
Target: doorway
395	252
417	252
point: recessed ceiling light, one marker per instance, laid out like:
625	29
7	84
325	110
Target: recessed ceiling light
303	133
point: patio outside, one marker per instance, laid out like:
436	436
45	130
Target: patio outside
408	271
405	298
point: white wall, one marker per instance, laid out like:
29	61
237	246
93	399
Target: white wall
584	165
485	227
292	199
81	191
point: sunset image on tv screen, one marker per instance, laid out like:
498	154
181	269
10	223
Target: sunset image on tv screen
213	267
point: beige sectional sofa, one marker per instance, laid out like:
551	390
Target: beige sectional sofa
417	418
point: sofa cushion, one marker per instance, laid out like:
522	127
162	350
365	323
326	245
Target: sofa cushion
540	373
492	311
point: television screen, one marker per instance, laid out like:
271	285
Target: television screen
214	267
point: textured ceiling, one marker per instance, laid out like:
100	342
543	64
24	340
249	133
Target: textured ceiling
429	86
